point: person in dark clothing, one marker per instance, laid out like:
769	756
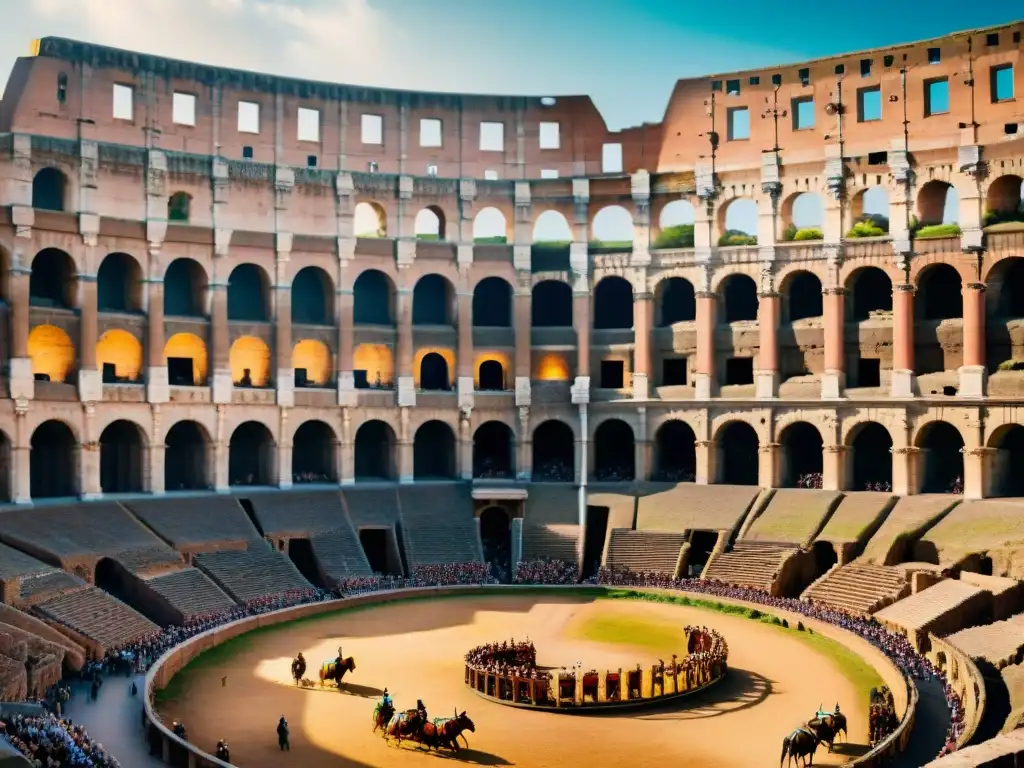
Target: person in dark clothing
222	752
282	734
421	710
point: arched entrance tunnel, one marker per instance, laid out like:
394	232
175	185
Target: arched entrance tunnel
495	535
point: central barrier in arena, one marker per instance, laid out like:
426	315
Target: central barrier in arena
179	752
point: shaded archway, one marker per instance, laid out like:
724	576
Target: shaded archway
492	303
738	448
490	227
312	297
186	458
249	360
871	462
554	452
248	294
494	451
373	297
179	207
251	455
613	304
52	282
939	293
434	372
314	458
185	289
676	301
433	301
1005	285
491	376
942	463
52	353
119	284
614	451
870	292
802	292
937	203
429	224
370	220
49	190
1007	477
122	458
739	299
53	461
375	451
675	453
187	361
434	452
496	538
802	461
551	306
313	363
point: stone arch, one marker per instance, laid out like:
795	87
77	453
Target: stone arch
430	224
676	301
249	359
370	220
179	207
942	459
53	461
373	366
802	456
249	294
1005	287
551	227
491	376
1008	443
52	353
119	284
870	206
54	280
737	215
375	451
554	452
312	297
434	373
187	362
50	190
312	363
494	451
122	457
252	455
373	299
939	293
613	303
490	227
492	303
314	453
119	357
612	226
802	211
551	306
739	298
675	453
738	450
870	290
938	202
870	445
187	457
434	452
801	291
675	225
1004	199
614	451
433	301
185	286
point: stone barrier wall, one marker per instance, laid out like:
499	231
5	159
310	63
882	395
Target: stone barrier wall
965	678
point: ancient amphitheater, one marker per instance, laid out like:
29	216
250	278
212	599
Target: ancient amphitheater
262	335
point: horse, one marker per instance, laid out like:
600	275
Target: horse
382	714
335	670
837	722
824	730
403	725
447	730
298	669
799	744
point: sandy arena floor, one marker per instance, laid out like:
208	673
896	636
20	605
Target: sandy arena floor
416	649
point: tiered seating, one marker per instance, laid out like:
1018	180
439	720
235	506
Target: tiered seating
999	643
749	564
190	592
859	587
44	585
438	525
98	616
16	564
943	608
993	527
149	561
656	551
690	507
908	520
794	515
299	513
858	515
550	542
194	524
372	506
1013	679
340	554
246	574
550	524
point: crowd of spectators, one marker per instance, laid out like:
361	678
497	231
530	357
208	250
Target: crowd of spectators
553	472
546	572
810	480
881	486
51	742
508	659
674	475
614	474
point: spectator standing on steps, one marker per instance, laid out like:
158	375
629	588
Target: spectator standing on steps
282	735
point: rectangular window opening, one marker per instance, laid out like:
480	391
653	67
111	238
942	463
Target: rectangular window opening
309	124
776	79
878	158
716	86
739	371
490	175
492	137
887	61
934	56
548	173
1010	129
248	117
180	372
432	171
611	158
183	109
371	167
732	87
865	67
247	152
936	97
301	377
372	129
1002	83
613	375
673	372
549	136
430	132
805	76
869	372
311	161
124	97
991	39
739	123
803	113
840	69
754	80
869	104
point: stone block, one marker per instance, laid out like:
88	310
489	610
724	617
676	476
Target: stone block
523	392
348	396
406	392
833	384
286	387
22	383
464	390
581	390
973	381
90	386
158	388
703	386
903	384
222	387
766	385
641	385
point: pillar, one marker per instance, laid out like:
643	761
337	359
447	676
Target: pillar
905	472
157	382
220	343
283	462
768	466
464	359
581	319
522	307
21	381
403	363
406	464
89	470
903	379
524	446
90	381
767	378
465	449
283	344
221	457
973	372
346	347
21	466
155	458
704	451
833	381
345	450
643	305
704	377
833	476
979	464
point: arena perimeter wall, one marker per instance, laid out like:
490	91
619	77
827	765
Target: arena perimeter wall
177	658
965	678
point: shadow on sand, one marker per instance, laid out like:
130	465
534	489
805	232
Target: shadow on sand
464	755
741	689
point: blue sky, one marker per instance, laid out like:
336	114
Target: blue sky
625	54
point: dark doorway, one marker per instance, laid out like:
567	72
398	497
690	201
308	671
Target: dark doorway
738	454
495	535
52	462
552	305
313	454
594	539
802	456
675	453
613	304
118	284
52	282
434	452
739	295
375	451
942	291
872	292
872	458
112	578
676	300
185	460
492	376
48	190
554	453
251	455
248	294
824	557
804	297
431	301
433	372
1009	444
372	299
375	546
312	297
702	544
614	452
121	458
184	289
493	451
492	303
943	458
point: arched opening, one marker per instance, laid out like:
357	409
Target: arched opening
185	354
737	454
676	225
940	295
52	354
492	303
871	460
614	453
179	207
737	221
938	205
1006	288
373	299
434	452
312	363
551	228
802	449
251	455
554	453
313	454
551	306
613	228
185	289
739	295
119	284
5	468
804	214
249	359
432	301
248	294
676	301
490	227
49	190
429	224
52	283
1007	478
374	366
370	220
1005	201
493	451
312	297
375	451
122	458
434	372
114	579
551	366
675	453
53	461
870	209
871	290
825	557
495	535
492	376
942	462
613	304
186	458
802	293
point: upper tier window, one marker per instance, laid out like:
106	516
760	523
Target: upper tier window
248	117
739	123
492	137
547	173
373	129
936	96
124	98
611	158
430	132
490	175
184	109
549	136
309	124
803	113
869	104
1002	82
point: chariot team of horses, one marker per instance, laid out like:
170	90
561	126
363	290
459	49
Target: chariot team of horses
803	742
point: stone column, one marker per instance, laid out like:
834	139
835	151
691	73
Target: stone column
346	347
405	383
905	471
524	446
220	342
833	381
523	363
903	379
581	319
973	371
406	468
705	386
767	381
285	373
833	476
21	381
464	359
704	451
156	455
346	455
642	307
465	449
978	466
157	382
769	455
90	382
221	457
21	466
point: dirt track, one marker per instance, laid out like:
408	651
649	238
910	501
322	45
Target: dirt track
415	649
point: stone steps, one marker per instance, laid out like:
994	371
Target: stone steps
748	564
653	551
438	525
191	592
858	587
246	574
98	616
340	554
550	542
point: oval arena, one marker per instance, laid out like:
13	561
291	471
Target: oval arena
276	349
